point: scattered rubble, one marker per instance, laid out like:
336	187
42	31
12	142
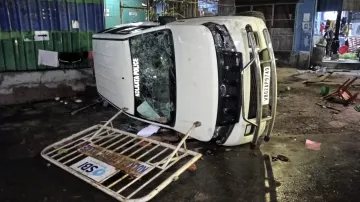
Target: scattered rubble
193	167
200	197
88	106
328	107
321	78
337	124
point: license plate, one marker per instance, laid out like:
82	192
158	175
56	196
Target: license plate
266	86
94	169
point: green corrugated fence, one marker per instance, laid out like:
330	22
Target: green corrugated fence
69	23
19	52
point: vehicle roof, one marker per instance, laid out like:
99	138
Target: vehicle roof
202	20
135	28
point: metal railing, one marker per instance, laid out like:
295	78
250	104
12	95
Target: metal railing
122	150
259	121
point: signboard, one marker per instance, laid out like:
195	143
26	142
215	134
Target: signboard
120	162
94	169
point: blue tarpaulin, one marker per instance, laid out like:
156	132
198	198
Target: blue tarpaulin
20	15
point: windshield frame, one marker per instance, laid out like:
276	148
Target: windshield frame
137	80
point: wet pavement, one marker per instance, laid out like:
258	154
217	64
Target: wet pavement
238	174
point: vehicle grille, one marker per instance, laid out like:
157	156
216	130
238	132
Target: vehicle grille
229	67
229	87
253	92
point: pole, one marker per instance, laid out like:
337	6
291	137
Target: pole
336	45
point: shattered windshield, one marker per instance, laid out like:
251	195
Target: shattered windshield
154	76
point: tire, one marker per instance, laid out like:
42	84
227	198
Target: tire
256	14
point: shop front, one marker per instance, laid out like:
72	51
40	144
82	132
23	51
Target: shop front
336	33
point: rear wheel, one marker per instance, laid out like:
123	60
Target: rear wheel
256	14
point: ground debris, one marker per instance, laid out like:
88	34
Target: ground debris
320	78
255	153
193	167
198	149
199	196
312	145
148	131
357	108
328	107
280	158
337	124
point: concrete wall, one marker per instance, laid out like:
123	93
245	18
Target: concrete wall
21	87
226	7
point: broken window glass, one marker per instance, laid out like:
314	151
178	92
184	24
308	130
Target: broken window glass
154	76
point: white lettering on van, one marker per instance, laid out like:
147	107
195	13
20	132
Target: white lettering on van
136	77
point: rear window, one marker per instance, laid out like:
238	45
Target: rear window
126	29
154	76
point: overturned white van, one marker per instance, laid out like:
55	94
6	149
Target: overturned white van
210	78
